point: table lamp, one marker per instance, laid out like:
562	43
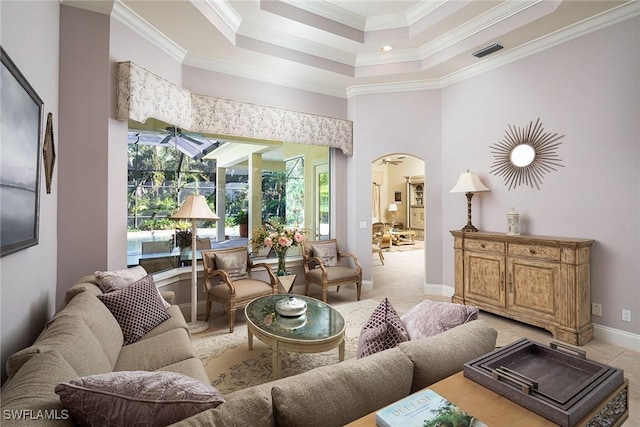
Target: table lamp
469	183
393	208
195	207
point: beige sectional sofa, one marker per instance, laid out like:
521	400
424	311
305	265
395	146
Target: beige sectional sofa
84	339
338	394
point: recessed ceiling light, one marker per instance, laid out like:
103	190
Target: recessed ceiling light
387	48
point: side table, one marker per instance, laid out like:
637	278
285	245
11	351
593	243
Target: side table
286	283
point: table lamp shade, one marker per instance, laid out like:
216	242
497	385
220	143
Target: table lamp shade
393	207
469	182
195	207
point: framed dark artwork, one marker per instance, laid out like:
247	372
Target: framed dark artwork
48	152
397	197
20	136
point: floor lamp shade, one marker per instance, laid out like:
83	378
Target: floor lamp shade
195	207
469	183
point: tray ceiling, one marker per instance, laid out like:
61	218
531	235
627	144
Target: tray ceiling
335	46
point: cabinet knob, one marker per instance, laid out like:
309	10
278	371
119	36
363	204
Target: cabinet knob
532	251
482	245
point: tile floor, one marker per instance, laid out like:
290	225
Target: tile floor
401	278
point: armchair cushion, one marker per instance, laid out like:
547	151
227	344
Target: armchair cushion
429	318
327	252
383	330
137	308
233	262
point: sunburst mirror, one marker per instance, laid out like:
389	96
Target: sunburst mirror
525	155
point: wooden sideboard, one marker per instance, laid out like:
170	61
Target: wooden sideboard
539	280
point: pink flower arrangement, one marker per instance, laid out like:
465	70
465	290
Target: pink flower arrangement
274	234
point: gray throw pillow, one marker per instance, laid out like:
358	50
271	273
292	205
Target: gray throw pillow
327	252
109	281
126	398
138	308
383	330
234	263
430	318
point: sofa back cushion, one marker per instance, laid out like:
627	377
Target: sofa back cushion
73	340
437	357
338	394
87	307
32	389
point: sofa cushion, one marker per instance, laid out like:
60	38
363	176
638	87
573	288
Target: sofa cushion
73	340
338	394
383	330
437	357
138	308
156	352
32	389
327	252
89	309
136	398
243	408
191	367
233	262
429	318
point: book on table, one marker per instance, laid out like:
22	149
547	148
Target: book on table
425	408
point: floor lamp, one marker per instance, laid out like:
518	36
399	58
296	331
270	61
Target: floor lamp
469	183
195	207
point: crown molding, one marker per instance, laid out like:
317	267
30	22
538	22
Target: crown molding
329	11
379	88
136	23
130	19
236	70
606	19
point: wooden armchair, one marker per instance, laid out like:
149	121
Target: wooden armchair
324	265
380	234
228	281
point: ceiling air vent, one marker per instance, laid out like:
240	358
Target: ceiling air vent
487	50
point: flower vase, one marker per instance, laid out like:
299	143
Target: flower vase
282	263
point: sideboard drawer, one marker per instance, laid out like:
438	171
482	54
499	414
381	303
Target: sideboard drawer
535	251
483	245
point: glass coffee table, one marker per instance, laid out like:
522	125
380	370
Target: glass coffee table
321	328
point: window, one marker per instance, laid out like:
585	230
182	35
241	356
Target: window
166	165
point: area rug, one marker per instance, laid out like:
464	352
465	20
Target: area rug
230	365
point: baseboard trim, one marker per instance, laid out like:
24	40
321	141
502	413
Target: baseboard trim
616	337
601	333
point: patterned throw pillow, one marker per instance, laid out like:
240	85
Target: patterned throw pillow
327	252
383	330
125	398
234	263
430	318
110	281
138	308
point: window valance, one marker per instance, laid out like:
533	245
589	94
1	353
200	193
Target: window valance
142	95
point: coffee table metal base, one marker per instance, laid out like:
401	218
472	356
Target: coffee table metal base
278	344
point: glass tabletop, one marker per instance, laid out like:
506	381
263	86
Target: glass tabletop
321	321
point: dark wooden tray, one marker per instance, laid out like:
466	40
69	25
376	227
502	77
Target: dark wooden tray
556	382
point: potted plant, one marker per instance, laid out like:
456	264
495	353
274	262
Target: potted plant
242	220
183	236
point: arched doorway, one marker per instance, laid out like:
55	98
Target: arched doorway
398	202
